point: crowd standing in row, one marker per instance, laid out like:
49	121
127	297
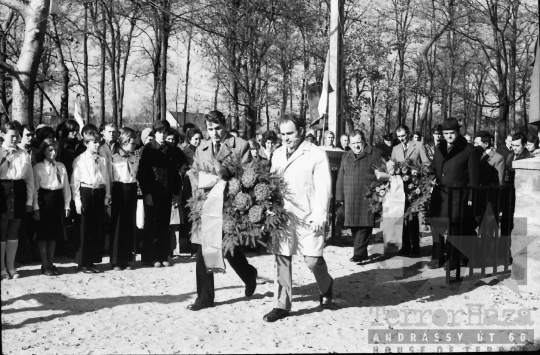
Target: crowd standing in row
117	182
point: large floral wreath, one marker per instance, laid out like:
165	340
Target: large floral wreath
252	206
418	181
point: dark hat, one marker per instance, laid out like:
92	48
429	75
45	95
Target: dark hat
450	123
388	137
437	128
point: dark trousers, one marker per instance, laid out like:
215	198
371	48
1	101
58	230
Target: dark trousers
508	205
361	240
438	247
411	235
90	245
124	208
156	242
26	240
205	280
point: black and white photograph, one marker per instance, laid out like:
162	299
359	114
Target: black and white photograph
269	176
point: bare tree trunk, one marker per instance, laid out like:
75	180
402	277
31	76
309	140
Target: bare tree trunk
85	64
3	48
166	30
64	93
35	14
187	78
103	65
112	64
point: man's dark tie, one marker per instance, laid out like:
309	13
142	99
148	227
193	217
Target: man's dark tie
218	145
58	176
128	163
5	158
405	150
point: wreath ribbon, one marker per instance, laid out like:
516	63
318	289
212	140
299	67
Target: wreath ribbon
212	222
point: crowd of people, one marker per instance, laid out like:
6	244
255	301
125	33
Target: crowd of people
118	190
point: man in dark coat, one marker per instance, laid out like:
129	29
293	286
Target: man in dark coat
456	164
351	189
160	183
508	203
437	134
506	148
386	145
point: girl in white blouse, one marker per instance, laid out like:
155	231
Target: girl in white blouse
16	193
52	195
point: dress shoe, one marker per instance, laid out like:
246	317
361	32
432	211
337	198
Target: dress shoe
198	305
326	299
129	267
404	252
14	274
275	314
95	269
48	272
55	270
157	264
118	268
250	287
42	270
415	253
358	259
5	276
86	269
435	263
166	263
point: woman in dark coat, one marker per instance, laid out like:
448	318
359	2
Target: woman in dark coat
352	180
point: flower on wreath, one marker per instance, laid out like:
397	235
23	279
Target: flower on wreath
262	192
404	170
417	191
382	193
228	225
397	171
234	187
198	206
255	214
405	177
242	201
378	188
249	178
414	173
381	199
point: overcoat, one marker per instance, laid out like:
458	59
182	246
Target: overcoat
351	186
459	167
492	169
307	173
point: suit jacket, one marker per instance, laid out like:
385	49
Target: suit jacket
158	170
351	186
107	152
307	173
510	171
415	152
492	169
459	167
231	147
503	150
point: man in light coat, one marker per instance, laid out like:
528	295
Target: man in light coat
306	170
412	150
